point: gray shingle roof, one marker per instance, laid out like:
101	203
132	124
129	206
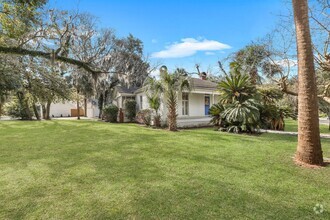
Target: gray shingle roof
196	84
203	84
130	90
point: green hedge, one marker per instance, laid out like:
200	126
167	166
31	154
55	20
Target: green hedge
110	113
130	109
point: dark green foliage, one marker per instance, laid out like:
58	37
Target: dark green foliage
216	111
19	16
242	116
110	113
236	87
9	81
130	109
100	104
244	108
18	108
239	108
274	109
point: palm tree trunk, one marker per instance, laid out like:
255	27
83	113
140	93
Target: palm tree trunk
172	115
309	146
254	75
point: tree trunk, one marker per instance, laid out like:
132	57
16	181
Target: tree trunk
100	105
78	106
35	110
309	145
0	109
172	115
85	107
44	111
48	109
28	112
254	76
104	102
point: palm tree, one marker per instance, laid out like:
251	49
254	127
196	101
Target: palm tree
251	58
309	146
154	103
240	106
168	86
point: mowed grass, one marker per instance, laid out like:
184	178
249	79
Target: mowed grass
292	125
94	170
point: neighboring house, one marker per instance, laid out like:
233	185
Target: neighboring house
69	109
193	106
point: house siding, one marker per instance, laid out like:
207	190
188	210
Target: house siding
64	109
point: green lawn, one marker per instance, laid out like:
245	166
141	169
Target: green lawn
94	170
292	125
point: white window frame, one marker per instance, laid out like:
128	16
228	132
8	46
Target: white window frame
185	104
141	102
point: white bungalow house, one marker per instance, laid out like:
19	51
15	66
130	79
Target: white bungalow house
69	109
193	107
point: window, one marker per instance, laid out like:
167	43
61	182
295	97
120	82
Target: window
185	103
141	102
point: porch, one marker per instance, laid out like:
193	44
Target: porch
193	121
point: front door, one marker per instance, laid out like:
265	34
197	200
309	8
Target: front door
207	105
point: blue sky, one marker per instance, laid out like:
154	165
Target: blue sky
181	33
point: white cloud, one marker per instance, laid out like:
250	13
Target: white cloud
154	41
209	53
188	47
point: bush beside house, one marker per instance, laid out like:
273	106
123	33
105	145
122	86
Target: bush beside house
130	107
144	117
110	113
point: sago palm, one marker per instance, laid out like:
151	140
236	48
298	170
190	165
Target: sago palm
242	116
238	97
216	111
236	87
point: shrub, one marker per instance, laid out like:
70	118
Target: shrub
17	109
216	112
242	116
130	107
144	116
238	107
110	113
154	103
157	121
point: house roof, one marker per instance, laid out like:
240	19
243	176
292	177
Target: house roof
203	84
126	90
197	83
